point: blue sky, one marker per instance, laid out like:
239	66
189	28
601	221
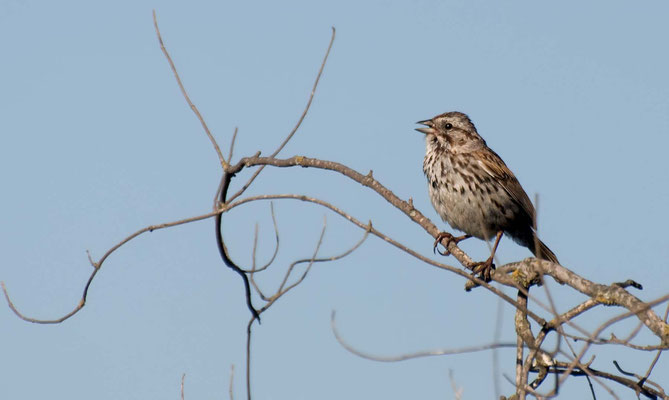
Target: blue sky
98	142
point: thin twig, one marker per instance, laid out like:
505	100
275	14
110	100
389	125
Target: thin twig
584	367
299	121
634	332
183	377
409	356
253	267
311	97
98	266
224	164
281	291
457	392
248	357
310	261
615	341
232	381
232	145
276	246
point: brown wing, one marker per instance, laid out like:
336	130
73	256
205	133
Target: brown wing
493	165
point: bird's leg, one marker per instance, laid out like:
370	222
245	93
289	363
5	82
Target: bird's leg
484	269
449	238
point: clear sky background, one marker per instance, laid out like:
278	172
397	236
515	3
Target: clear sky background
98	142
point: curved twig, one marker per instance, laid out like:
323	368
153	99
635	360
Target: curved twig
253	269
281	291
97	265
419	354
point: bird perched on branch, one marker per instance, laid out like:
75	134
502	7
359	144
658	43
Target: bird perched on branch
474	191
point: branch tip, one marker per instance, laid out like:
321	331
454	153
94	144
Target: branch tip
192	106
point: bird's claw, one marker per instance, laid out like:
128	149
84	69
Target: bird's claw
484	269
438	239
449	238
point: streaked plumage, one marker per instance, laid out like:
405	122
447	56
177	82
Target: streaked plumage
472	189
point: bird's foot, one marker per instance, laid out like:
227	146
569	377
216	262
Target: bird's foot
484	269
449	238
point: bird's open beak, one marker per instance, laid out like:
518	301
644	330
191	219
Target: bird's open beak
429	124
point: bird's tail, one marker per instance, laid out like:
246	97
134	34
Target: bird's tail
543	252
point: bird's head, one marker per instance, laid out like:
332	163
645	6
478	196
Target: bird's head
453	131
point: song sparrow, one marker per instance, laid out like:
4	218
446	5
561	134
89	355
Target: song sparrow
474	191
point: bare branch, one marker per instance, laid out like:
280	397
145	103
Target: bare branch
326	259
276	247
299	122
224	164
232	145
183	377
403	357
249	326
232	381
615	341
281	291
457	392
311	97
311	260
253	267
98	266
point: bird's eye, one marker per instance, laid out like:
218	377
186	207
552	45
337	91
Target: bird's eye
448	125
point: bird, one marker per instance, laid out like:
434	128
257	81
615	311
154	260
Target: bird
473	190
